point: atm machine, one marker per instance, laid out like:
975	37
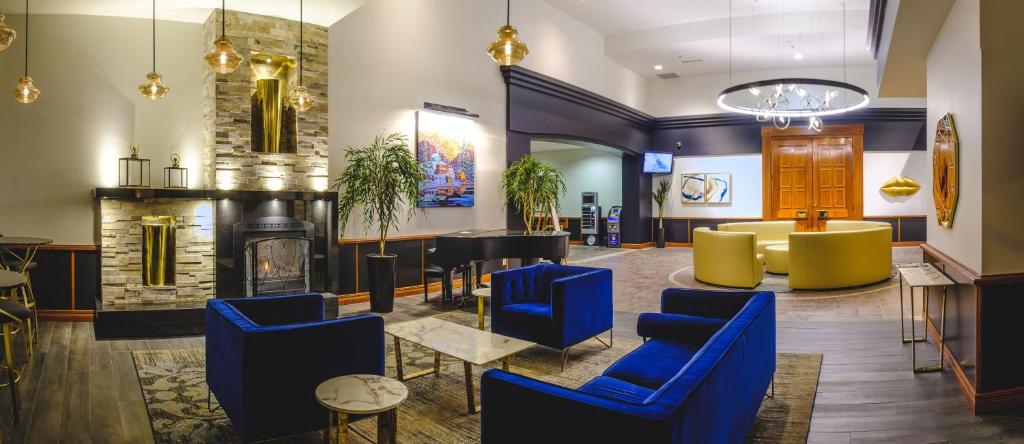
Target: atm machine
614	229
590	219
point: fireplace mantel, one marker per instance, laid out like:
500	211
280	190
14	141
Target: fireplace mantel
165	193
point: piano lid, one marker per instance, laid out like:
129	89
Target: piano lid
476	233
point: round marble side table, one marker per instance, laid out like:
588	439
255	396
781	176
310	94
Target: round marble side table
362	395
481	294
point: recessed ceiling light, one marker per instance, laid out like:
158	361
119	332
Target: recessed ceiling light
658	67
798	56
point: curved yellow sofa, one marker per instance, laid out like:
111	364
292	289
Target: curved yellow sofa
768	233
727	259
854	225
838	258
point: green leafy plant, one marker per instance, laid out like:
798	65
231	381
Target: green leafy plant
530	184
660	195
379	178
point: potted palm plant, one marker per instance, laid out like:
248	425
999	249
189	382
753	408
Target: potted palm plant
659	195
533	188
380	179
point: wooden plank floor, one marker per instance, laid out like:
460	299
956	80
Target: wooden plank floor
80	390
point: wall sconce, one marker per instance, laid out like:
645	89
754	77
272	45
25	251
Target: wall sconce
175	176
133	172
318	183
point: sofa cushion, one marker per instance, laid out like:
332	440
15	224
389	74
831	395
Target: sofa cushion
540	309
653	363
693	330
608	387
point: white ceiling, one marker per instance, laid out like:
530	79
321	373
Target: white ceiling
320	12
766	34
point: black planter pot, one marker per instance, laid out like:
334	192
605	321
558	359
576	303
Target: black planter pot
381	272
660	241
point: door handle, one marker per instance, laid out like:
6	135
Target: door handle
822	214
801	214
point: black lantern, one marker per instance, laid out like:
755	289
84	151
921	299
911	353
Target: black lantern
175	176
133	172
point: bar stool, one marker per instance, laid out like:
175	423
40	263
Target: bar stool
12	315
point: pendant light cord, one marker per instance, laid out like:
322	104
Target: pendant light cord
730	43
26	38
508	12
154	35
223	21
301	52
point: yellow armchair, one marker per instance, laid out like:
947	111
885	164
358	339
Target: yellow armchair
727	259
838	259
768	233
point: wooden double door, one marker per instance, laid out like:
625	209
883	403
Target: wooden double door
813	177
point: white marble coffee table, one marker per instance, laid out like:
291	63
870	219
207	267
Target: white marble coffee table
362	395
467	344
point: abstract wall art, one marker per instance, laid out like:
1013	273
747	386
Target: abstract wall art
446	149
691	186
718	188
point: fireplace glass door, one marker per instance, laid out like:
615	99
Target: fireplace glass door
277	265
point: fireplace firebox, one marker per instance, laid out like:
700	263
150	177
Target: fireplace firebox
276	253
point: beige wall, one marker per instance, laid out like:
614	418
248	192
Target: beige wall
954	86
587	170
56	150
390	56
1002	95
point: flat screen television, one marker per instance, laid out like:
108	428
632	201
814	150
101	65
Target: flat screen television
658	163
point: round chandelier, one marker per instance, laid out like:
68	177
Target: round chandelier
783	99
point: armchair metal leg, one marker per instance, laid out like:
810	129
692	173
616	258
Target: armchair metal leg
565	357
772	388
611	339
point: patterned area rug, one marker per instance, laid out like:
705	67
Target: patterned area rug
174	388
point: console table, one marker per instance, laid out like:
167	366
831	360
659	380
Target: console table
924	276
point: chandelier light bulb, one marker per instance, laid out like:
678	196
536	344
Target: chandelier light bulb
224	58
25	91
7	35
154	88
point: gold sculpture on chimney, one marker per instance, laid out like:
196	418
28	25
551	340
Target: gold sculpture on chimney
273	118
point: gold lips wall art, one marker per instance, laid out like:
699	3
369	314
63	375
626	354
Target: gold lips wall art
900	186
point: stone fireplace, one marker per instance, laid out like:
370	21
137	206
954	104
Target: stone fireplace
277	253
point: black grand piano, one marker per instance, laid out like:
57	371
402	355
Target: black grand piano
467	250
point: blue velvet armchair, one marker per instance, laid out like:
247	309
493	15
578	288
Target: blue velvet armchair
556	306
266	355
700	377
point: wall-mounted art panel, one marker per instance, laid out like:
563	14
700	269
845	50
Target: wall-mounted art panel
446	148
945	165
718	188
691	188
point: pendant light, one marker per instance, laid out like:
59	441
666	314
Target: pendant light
25	91
7	35
154	88
223	59
507	50
300	98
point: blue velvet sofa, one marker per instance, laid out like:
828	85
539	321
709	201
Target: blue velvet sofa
556	306
266	355
699	377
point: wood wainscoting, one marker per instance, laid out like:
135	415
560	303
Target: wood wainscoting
907	230
982	334
66	282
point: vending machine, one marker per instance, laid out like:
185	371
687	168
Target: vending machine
614	241
590	219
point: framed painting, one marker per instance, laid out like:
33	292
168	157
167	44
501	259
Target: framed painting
718	188
691	186
446	150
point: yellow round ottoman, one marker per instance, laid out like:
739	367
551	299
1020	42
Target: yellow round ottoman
776	259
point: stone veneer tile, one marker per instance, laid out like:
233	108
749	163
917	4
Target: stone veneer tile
228	162
121	246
